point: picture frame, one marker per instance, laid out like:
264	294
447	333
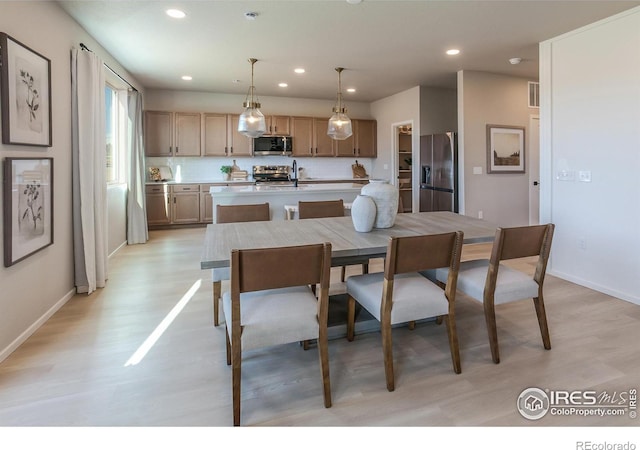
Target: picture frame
25	91
27	207
505	149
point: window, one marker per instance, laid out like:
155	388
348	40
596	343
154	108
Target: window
115	132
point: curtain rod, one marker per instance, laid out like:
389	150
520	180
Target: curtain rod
84	47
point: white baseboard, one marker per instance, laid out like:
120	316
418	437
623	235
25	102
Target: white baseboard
37	324
596	287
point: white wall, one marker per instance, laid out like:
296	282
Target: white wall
485	98
400	108
590	121
33	289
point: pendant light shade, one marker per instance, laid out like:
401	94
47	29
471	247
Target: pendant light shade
252	123
339	125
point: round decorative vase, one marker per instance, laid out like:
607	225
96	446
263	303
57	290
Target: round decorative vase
363	213
385	196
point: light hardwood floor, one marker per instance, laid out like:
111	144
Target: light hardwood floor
73	372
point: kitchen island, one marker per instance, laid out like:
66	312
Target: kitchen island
278	195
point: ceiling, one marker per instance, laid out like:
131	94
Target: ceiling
385	46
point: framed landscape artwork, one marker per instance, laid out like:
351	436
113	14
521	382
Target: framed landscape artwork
27	207
505	149
25	83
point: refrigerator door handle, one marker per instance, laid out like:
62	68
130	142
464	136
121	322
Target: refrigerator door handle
426	174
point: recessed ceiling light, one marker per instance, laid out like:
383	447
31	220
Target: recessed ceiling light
299	70
354	2
351	90
175	13
187	77
515	61
453	51
250	15
283	84
236	81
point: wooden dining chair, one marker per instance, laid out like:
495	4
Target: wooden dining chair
493	283
271	303
327	208
231	214
402	295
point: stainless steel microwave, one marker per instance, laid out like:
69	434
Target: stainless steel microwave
272	145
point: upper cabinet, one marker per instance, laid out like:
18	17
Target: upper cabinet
216	134
361	143
278	125
221	137
172	134
366	138
310	137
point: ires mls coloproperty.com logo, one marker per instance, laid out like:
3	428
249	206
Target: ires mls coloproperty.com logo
535	403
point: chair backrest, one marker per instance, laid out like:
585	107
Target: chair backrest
280	267
242	213
522	242
418	253
318	209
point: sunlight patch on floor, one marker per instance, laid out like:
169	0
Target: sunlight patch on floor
162	327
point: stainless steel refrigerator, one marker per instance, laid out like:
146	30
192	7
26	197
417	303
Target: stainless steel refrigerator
439	172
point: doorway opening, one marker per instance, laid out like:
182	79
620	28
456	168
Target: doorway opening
403	157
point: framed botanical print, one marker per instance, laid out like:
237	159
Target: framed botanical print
27	207
25	88
505	149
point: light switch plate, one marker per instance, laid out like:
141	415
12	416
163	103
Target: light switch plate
565	175
477	170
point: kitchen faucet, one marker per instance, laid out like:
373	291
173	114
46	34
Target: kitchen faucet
294	170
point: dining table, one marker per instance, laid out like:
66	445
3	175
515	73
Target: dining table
347	244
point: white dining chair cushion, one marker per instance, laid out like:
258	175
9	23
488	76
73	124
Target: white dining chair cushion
414	297
511	284
275	316
221	274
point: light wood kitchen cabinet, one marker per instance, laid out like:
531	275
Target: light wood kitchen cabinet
158	205
278	125
322	143
239	145
221	137
185	203
206	203
158	133
361	143
216	135
366	138
172	134
302	133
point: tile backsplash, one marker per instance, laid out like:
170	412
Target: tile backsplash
193	169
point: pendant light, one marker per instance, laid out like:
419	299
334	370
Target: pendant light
252	123
339	125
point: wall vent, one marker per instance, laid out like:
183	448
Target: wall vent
534	94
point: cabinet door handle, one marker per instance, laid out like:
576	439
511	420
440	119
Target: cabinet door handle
231	149
226	150
177	149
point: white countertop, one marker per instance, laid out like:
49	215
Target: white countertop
284	190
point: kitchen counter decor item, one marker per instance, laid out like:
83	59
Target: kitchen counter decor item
363	213
358	170
385	196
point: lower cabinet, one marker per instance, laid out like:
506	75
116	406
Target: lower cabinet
168	205
185	203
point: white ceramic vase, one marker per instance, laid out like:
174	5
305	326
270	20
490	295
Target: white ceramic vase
385	196
363	213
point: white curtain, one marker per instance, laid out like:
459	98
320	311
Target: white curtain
89	171
137	232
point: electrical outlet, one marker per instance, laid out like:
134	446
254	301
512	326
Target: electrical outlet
584	176
582	243
480	215
386	167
